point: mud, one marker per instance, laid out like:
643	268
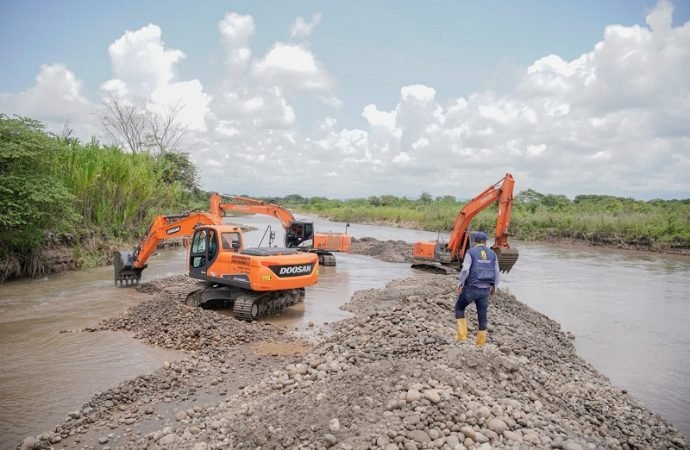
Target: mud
391	377
389	251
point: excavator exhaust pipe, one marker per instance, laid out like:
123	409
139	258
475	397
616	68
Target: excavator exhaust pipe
506	258
125	273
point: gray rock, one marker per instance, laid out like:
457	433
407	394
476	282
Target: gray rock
479	437
30	443
452	441
483	412
497	425
330	439
419	436
512	436
432	395
571	445
412	395
168	439
412	419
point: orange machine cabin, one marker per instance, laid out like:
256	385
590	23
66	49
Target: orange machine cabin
215	255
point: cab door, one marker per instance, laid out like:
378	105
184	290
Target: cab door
203	251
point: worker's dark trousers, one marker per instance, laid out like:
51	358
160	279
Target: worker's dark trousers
479	296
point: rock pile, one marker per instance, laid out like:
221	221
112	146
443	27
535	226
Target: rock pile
389	251
394	378
391	377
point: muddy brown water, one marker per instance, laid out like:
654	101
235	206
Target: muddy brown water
629	311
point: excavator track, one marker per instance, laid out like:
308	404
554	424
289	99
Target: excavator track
326	259
246	305
434	267
251	306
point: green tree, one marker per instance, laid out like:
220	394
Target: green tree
33	201
175	167
425	198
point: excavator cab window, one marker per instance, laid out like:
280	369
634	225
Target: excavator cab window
212	245
299	232
308	231
198	251
231	242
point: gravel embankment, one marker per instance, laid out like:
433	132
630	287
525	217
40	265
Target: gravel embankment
391	377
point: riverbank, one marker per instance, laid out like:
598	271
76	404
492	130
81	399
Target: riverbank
593	240
390	377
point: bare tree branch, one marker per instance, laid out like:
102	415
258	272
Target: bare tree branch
136	128
165	132
124	123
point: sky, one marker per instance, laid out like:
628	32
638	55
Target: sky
356	99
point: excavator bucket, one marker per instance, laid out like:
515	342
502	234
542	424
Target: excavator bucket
125	273
506	258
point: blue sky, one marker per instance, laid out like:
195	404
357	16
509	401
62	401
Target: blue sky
367	53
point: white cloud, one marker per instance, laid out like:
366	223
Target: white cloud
612	120
141	61
302	28
236	32
56	99
292	67
145	71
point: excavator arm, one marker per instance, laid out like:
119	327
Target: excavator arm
501	191
436	255
250	205
128	266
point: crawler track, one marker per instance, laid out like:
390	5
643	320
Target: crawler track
246	305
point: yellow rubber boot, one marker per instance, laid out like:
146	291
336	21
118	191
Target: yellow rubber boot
481	337
462	330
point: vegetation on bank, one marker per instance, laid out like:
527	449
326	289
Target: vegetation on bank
600	219
56	190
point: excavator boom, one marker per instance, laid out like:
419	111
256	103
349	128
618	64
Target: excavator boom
299	234
128	266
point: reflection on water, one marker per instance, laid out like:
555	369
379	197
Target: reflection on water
629	311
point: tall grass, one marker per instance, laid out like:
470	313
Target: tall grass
659	224
116	193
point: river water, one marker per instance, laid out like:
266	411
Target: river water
629	311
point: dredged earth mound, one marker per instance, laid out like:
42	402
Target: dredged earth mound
389	251
391	377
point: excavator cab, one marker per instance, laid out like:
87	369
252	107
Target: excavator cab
208	243
298	233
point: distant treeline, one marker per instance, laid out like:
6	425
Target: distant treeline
56	191
599	219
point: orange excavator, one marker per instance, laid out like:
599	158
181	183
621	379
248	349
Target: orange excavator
442	257
298	234
255	281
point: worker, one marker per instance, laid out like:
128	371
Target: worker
478	280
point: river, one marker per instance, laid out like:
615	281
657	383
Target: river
628	310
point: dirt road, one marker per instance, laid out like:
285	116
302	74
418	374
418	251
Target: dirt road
391	377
